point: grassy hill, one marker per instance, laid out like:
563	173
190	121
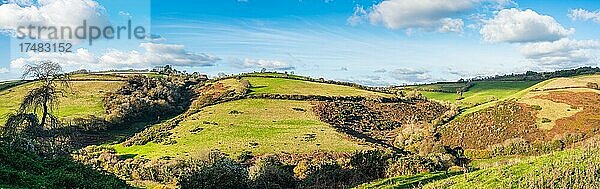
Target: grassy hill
575	168
482	92
236	116
84	98
259	126
264	85
533	121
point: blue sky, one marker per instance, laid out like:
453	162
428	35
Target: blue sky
370	42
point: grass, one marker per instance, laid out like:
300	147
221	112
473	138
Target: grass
550	110
258	125
413	181
262	85
574	168
441	87
85	98
484	93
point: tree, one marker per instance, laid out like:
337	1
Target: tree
43	98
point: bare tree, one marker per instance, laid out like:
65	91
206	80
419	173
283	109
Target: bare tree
43	98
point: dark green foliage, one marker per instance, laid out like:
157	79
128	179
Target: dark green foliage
327	175
269	172
144	98
216	172
546	120
534	76
24	169
370	164
536	107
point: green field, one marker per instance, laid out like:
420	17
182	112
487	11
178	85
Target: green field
262	85
9	84
484	94
257	125
408	182
439	87
84	98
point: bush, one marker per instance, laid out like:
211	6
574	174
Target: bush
269	172
516	146
144	98
326	175
24	169
216	172
370	164
536	107
407	166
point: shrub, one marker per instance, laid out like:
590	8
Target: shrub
369	164
536	107
144	98
515	146
546	120
407	166
269	172
24	169
478	154
326	175
216	172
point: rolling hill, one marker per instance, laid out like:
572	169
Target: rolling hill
540	137
514	128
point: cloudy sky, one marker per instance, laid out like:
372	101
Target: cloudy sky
379	42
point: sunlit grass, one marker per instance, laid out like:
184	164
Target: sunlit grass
262	85
257	125
83	98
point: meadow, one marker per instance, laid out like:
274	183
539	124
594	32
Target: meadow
259	126
83	99
482	92
263	85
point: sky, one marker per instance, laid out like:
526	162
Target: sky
377	43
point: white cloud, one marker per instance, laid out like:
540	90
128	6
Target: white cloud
582	14
451	25
404	14
58	13
410	75
516	26
3	70
439	15
268	64
562	54
152	55
358	16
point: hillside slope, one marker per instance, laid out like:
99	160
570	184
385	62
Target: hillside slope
84	98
